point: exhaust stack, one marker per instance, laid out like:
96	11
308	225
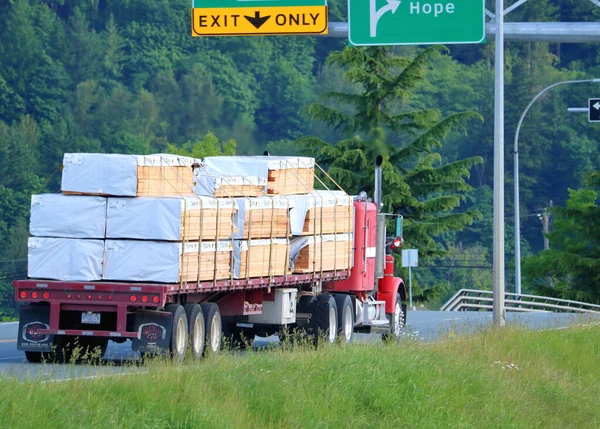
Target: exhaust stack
380	231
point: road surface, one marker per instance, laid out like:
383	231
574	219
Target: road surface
424	326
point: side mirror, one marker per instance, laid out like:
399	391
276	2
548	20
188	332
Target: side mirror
399	220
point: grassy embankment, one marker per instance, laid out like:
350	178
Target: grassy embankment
509	379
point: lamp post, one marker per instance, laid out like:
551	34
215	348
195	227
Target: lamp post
516	150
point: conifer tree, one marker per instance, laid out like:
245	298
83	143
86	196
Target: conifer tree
570	269
378	120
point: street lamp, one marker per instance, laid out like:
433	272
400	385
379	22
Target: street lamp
517	220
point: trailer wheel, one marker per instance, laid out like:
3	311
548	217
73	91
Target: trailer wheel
179	332
196	329
396	319
37	357
214	327
324	321
345	313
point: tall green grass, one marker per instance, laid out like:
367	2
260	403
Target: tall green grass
511	378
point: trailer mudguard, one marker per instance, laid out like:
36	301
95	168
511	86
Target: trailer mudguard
154	331
31	319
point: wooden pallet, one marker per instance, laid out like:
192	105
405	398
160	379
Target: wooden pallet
324	256
264	258
291	181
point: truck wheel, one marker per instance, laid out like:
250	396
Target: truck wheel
396	319
179	332
214	327
324	321
37	357
196	326
345	313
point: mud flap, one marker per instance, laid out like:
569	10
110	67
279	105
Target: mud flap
154	331
31	319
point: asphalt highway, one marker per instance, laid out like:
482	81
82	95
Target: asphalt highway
426	326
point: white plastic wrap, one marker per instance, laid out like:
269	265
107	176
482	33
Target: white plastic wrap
65	259
111	174
285	162
150	261
67	216
207	183
258	203
303	203
154	218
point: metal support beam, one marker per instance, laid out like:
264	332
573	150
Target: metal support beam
578	109
551	32
498	218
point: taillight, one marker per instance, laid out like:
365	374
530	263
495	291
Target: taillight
23	294
46	295
35	295
133	298
110	297
155	299
100	297
89	296
69	296
144	299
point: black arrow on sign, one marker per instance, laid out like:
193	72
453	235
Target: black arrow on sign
257	20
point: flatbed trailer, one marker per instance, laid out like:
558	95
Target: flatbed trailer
58	316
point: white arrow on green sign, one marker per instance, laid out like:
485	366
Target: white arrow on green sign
415	22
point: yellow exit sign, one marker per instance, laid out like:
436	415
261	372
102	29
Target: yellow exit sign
259	21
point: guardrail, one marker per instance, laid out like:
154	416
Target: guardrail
473	300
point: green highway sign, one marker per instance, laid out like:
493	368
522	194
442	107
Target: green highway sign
258	17
415	22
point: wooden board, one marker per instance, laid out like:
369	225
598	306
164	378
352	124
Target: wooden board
264	260
164	180
202	266
291	181
267	223
328	220
239	191
207	224
324	256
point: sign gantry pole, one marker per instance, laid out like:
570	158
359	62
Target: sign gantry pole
498	243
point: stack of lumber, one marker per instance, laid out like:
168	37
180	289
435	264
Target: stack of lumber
260	258
324	253
263	217
136	218
171	218
290	175
127	175
166	262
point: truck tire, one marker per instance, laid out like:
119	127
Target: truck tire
37	357
214	327
196	329
397	320
324	320
345	312
179	332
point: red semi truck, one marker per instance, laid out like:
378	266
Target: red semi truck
56	316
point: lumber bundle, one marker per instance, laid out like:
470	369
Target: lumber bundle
260	258
322	212
324	253
166	262
171	218
127	175
227	186
264	217
290	175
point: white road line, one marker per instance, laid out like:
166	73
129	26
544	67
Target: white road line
14	357
456	318
9	323
91	377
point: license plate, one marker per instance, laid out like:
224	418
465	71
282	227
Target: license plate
90	318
